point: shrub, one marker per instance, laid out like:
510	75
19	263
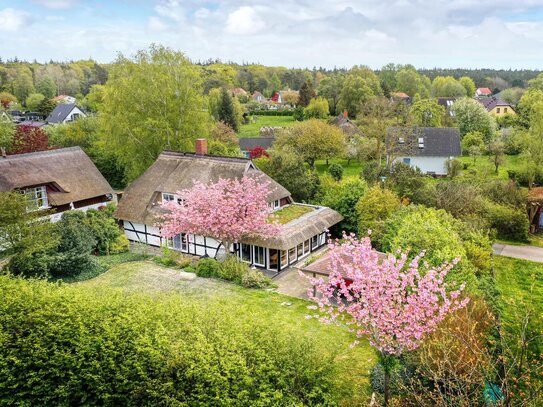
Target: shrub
454	167
104	229
255	279
207	268
70	345
120	245
510	223
232	269
336	171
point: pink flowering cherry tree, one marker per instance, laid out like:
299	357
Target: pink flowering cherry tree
392	302
228	211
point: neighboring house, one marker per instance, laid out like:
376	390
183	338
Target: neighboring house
346	125
447	103
401	97
64	99
64	113
238	92
497	107
428	148
483	92
259	97
249	143
57	180
140	208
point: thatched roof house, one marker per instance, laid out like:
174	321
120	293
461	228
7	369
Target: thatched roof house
140	209
346	125
56	179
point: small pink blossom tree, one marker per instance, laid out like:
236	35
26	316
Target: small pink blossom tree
229	210
392	302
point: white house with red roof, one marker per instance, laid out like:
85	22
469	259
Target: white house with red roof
483	92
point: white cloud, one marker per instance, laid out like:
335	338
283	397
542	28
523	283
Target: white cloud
12	20
155	24
244	21
56	4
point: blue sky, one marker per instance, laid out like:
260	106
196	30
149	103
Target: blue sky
292	33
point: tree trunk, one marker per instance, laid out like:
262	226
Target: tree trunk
387	384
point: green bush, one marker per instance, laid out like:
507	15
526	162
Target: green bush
510	223
336	171
207	268
119	245
255	279
105	230
67	345
233	269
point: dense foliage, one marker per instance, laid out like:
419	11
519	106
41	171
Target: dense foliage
75	346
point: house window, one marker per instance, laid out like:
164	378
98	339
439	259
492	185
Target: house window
273	255
306	246
505	110
407	160
259	256
37	198
421	142
292	255
401	140
166	197
497	110
322	239
284	258
274	205
314	242
179	242
246	252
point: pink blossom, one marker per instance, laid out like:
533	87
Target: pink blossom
229	210
392	302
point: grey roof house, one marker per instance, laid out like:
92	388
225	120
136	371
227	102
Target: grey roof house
427	148
140	208
248	143
64	113
57	180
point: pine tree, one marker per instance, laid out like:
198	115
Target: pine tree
45	107
306	94
226	110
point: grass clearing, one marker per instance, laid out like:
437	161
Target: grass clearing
351	170
353	364
484	166
253	129
521	285
291	212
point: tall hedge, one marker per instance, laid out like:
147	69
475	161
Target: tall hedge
66	345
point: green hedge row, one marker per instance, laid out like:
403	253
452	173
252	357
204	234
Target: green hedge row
72	345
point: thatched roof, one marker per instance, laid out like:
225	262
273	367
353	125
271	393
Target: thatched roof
300	229
69	170
346	125
174	171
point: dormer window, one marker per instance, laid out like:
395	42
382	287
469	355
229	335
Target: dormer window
401	140
167	197
421	142
275	205
37	198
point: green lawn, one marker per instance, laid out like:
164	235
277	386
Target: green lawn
351	170
353	364
253	129
484	166
521	285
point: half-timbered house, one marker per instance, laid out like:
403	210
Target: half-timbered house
141	206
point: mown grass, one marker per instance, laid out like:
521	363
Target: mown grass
484	167
353	365
350	170
253	129
520	283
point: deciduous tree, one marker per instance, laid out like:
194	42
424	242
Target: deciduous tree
228	211
394	303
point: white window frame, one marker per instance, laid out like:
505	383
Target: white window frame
184	243
241	245
293	259
31	194
314	242
168	197
255	248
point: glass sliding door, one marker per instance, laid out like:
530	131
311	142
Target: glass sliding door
259	258
274	259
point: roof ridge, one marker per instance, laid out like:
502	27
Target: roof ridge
41	153
183	154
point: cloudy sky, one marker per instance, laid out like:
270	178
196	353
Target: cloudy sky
292	33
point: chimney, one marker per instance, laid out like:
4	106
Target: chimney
3	150
201	146
346	114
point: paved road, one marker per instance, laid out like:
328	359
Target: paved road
519	252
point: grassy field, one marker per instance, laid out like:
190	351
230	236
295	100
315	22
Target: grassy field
484	166
351	170
253	129
353	364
